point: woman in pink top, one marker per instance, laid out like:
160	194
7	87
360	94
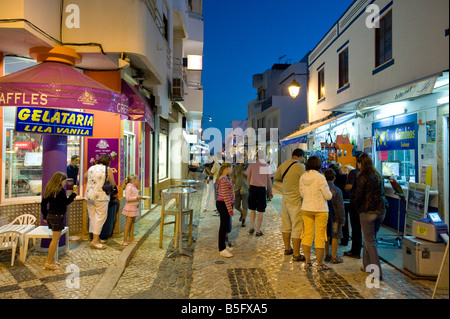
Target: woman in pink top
224	204
131	208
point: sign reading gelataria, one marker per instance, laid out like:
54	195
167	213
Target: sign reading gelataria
53	121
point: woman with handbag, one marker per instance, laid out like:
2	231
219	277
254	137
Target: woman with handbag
100	182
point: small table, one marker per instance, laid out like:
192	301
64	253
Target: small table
190	183
180	192
44	232
23	230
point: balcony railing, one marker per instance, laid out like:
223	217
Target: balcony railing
159	21
195	8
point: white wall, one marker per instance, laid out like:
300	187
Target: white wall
420	48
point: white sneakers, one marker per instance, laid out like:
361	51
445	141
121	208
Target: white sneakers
226	253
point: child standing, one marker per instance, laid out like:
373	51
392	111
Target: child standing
336	218
131	208
55	196
224	204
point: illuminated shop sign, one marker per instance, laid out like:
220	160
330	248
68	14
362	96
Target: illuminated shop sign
397	137
52	121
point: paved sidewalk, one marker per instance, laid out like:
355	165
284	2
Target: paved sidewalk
258	269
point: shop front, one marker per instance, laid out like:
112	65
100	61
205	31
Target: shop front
405	131
42	128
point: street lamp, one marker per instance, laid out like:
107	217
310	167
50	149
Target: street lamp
294	89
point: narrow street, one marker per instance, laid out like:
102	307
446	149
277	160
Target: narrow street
258	269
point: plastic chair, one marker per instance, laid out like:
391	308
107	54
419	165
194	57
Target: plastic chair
25	219
165	198
10	240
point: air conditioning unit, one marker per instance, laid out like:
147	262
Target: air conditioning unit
177	89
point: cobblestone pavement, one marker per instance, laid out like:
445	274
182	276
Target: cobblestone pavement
258	269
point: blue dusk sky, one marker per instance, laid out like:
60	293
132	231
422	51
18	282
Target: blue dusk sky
246	37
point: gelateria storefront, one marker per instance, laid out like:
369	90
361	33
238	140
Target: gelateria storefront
48	112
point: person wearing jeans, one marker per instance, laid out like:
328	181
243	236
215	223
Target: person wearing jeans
224	204
371	203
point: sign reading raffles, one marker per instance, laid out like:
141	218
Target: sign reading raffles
52	121
396	137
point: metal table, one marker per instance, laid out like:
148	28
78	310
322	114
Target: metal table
188	183
180	192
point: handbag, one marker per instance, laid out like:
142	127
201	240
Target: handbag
107	187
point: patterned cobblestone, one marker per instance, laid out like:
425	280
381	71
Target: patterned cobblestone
258	269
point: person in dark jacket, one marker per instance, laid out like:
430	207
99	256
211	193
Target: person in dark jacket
336	218
53	208
340	182
370	202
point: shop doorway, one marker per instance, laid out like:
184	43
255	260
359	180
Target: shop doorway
446	168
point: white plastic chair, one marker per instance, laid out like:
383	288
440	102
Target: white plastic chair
25	219
10	240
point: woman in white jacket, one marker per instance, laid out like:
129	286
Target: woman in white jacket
315	193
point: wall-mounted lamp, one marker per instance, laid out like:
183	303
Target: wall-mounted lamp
294	89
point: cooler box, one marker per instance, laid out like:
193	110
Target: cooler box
422	257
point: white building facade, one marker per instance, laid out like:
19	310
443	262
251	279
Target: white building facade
383	67
275	111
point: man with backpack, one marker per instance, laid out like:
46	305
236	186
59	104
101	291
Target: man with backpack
289	174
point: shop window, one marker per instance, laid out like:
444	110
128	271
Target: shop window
23	160
129	154
343	68
397	163
321	82
383	40
163	155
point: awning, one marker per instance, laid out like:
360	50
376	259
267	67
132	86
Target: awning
139	107
58	85
402	92
300	135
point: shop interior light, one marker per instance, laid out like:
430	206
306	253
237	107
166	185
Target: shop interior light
443	100
391	109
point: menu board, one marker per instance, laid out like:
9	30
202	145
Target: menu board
416	204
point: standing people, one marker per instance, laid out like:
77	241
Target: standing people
192	169
55	196
336	218
239	180
131	208
370	201
289	173
340	182
215	171
258	178
96	199
315	192
209	184
72	168
224	203
355	251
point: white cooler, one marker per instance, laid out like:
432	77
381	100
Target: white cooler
422	257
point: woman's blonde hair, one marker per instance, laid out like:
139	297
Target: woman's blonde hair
54	186
129	179
223	167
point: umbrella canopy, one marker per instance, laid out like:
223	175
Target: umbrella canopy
58	85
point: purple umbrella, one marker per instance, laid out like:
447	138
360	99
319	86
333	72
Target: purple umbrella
58	85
